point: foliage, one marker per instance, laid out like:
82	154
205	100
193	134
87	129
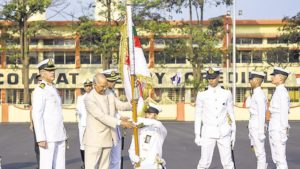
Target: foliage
291	30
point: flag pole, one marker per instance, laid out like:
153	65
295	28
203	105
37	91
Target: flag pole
132	74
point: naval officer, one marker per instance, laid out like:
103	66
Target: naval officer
48	119
151	138
257	108
214	109
278	125
81	112
115	157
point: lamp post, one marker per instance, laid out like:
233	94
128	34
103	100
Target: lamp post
234	51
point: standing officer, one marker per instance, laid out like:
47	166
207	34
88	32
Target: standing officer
81	111
278	125
48	119
31	127
151	138
115	157
214	109
258	107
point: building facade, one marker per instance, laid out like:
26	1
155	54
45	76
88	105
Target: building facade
75	62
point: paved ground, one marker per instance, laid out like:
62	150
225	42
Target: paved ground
180	152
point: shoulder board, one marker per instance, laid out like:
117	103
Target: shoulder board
205	88
222	87
42	85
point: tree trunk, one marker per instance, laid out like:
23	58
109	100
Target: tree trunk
25	60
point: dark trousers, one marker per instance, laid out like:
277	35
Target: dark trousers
36	150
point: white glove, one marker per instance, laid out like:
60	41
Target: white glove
232	139
198	140
163	162
135	158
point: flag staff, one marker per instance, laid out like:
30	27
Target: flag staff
132	73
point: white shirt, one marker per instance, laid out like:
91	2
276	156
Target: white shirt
151	139
213	106
279	109
81	110
47	114
258	107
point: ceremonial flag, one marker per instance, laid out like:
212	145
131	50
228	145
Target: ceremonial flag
143	83
176	79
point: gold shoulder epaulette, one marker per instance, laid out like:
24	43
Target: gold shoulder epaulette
42	85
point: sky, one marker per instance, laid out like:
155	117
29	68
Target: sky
251	9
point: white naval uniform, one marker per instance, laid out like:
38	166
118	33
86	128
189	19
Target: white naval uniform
151	138
258	107
115	155
278	126
81	111
213	106
48	125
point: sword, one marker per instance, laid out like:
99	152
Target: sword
122	144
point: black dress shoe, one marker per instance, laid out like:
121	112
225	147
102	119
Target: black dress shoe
82	167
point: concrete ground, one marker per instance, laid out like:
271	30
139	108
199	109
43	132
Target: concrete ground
180	152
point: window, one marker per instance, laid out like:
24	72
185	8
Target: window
10	42
34	41
176	94
241	94
248	40
61	57
33	58
59	42
249	57
96	58
159	58
69	42
257	41
48	55
85	57
70	57
13	57
14	96
257	57
67	96
48	42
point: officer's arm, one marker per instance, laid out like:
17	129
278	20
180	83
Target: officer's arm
198	114
93	109
261	107
230	111
78	107
38	108
284	110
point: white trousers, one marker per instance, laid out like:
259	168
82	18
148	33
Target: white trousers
81	133
278	148
54	156
259	149
207	150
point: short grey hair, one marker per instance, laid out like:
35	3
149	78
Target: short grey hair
96	77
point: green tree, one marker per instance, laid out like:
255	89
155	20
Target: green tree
19	12
291	29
